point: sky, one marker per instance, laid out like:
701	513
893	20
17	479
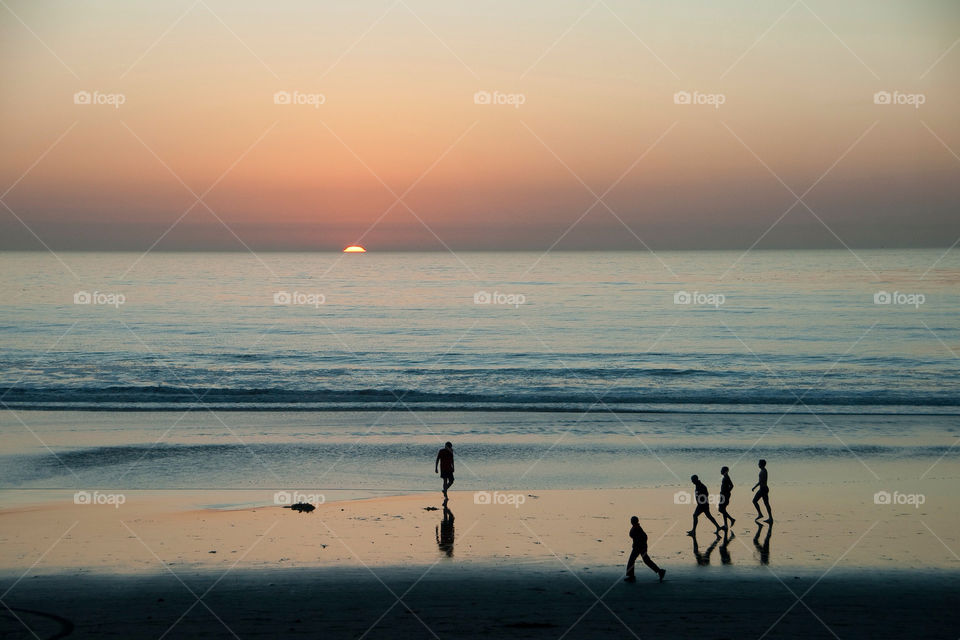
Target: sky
433	125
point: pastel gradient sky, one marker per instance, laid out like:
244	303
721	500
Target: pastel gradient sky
598	156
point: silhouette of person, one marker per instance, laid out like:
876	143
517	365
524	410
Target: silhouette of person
639	537
702	498
445	532
764	548
726	488
763	493
444	466
703	559
725	547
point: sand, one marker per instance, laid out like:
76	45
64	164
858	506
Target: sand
528	566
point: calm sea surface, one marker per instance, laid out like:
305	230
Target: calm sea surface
191	367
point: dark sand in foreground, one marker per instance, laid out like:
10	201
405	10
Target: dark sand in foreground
451	602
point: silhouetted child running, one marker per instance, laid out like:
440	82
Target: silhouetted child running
702	497
639	537
726	488
763	493
444	466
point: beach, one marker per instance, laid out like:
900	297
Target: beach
520	565
150	452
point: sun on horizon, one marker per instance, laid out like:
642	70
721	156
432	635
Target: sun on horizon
354	248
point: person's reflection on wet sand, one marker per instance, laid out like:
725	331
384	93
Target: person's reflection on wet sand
445	532
725	547
764	548
703	559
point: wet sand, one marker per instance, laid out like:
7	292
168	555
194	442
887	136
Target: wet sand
525	565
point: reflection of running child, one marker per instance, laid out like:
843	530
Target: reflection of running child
763	493
444	466
639	537
726	488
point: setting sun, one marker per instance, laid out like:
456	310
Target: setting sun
354	248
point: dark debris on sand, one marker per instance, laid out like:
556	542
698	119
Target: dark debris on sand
302	507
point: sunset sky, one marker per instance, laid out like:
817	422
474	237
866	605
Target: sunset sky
397	80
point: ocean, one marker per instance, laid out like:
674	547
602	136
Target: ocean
567	369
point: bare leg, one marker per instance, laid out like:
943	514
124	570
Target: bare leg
693	531
766	503
756	504
711	519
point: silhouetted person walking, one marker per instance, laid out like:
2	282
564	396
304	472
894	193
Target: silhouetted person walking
763	493
639	537
444	466
702	497
726	488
